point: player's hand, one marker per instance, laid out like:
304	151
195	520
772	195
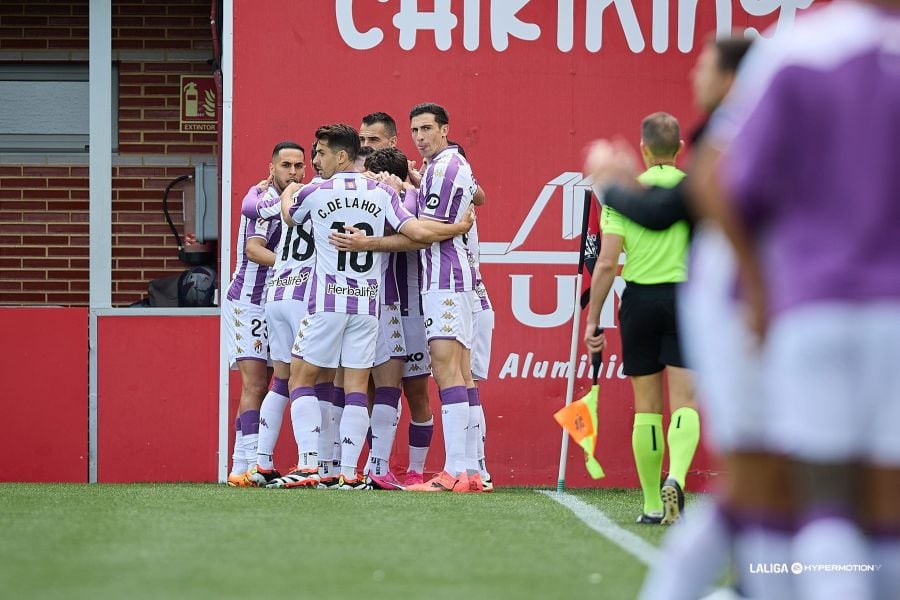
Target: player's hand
393	181
414	176
263	185
611	162
594	343
292	188
353	240
468	219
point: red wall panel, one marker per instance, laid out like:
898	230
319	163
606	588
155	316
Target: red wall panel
45	390
158	398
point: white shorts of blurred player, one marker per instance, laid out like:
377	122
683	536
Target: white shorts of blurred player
418	358
482	335
448	316
330	340
834	382
391	342
283	318
245	333
721	350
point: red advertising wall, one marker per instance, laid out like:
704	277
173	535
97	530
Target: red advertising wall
157	398
527	85
45	393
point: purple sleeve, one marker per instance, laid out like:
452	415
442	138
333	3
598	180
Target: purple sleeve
411	201
297	211
396	215
756	167
255	206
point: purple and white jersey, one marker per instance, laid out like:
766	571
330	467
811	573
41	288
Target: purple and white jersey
809	135
295	253
482	302
408	268
248	283
448	186
347	282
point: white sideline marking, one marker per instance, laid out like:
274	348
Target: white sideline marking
598	521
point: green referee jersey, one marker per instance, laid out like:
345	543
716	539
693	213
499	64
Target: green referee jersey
651	256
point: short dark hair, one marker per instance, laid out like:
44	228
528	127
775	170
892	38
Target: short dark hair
661	134
731	51
364	151
340	136
391	160
390	126
287	145
439	112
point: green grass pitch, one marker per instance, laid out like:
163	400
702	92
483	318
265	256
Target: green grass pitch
210	541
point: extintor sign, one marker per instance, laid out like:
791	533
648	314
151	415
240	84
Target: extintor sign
198	103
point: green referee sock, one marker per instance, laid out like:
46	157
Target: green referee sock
683	437
648	446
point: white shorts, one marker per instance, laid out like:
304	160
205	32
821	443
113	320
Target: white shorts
482	334
331	340
448	316
834	382
391	343
720	349
418	358
245	332
284	318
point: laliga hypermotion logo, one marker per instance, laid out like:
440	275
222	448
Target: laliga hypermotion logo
573	187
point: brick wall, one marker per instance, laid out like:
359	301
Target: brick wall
44	203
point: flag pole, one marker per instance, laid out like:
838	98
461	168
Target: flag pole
573	349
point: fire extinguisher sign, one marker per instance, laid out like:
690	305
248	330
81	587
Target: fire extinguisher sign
198	103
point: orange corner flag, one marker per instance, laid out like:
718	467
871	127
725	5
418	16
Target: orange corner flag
580	420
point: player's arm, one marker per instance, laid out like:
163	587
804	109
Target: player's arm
257	252
354	240
287	202
479	197
428	231
601	282
654	208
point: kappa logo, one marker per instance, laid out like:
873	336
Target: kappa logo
300	335
237	323
316	429
394	321
296	347
257	345
415	368
304	323
263	423
239	350
447	315
447	329
238	336
398	348
238	310
396	334
448	302
347	441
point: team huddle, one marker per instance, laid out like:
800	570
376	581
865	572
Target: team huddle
355	287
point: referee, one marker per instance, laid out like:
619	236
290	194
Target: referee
655	262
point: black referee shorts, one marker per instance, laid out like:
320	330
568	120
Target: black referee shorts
649	324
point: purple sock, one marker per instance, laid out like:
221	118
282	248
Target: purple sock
454	395
302	391
280	386
325	392
249	422
420	435
356	399
338	399
387	395
474	398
